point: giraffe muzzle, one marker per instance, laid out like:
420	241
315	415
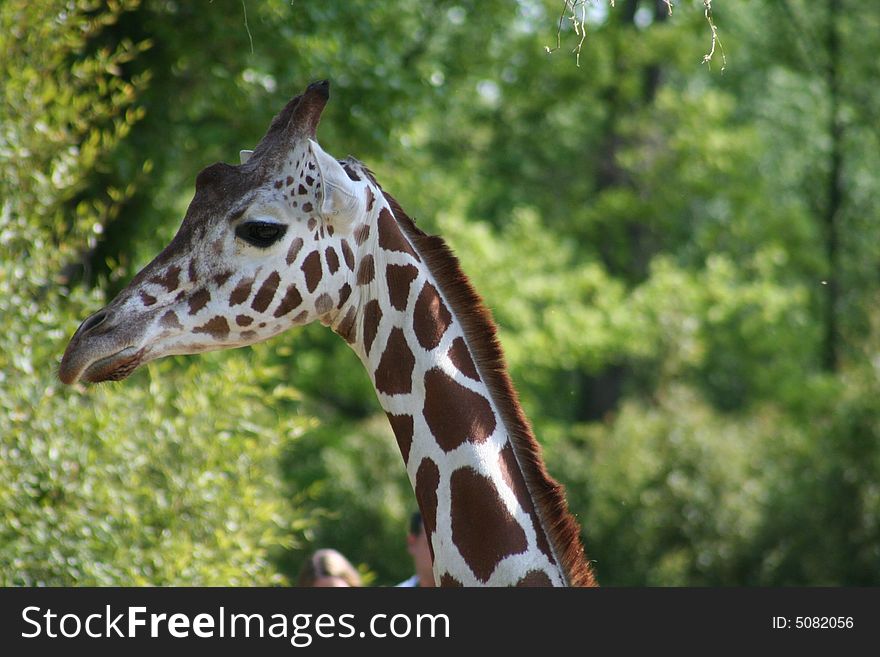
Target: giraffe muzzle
100	350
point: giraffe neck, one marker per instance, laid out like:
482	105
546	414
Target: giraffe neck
493	515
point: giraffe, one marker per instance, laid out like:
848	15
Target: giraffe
292	235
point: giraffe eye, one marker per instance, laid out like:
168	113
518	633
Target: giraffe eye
261	234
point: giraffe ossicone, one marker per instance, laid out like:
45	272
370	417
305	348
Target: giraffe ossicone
293	235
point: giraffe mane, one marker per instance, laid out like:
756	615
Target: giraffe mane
480	331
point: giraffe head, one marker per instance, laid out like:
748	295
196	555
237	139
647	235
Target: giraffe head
263	247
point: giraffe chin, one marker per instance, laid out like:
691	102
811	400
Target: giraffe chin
114	368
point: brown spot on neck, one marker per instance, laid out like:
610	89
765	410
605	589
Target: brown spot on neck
361	233
348	255
347	328
394	373
390	236
512	475
427	482
366	270
402	425
372	317
448	581
344	294
454	413
477	512
430	317
460	356
324	304
399	279
534	578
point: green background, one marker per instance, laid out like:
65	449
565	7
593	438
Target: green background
683	262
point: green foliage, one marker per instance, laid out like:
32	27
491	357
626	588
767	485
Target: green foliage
146	483
679	491
150	485
651	235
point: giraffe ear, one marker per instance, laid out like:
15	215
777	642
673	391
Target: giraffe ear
340	201
244	156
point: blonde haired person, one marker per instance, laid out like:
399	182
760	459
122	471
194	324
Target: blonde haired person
328	568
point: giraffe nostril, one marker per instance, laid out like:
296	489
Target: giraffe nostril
94	321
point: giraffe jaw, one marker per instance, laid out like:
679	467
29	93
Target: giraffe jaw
115	367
